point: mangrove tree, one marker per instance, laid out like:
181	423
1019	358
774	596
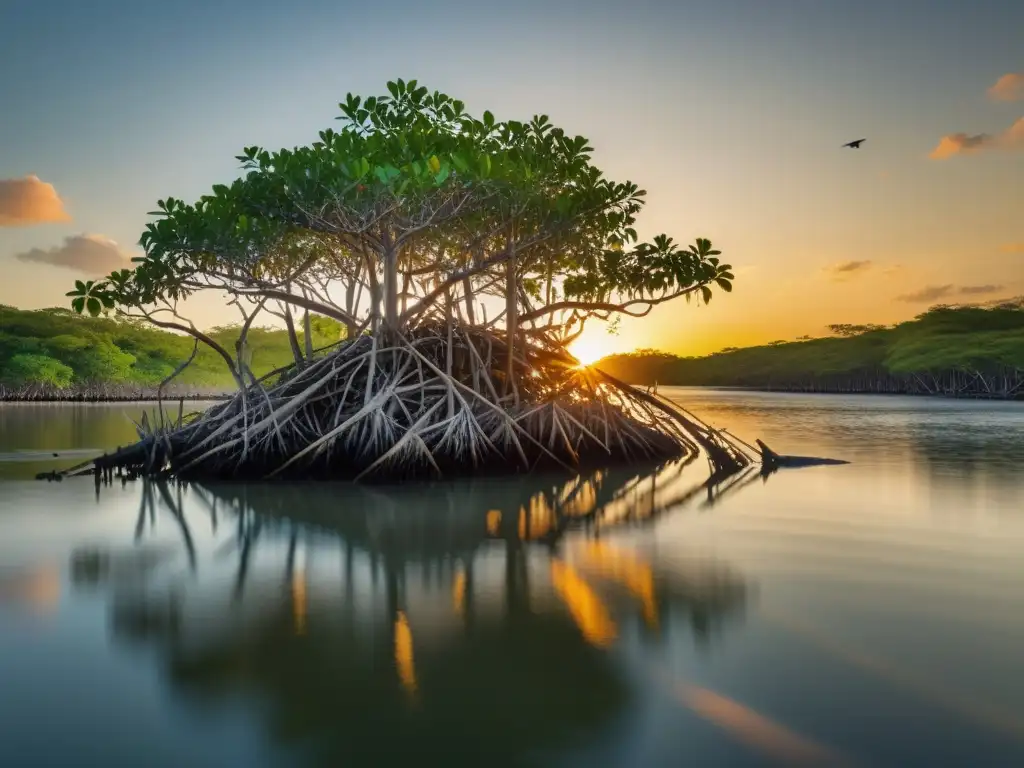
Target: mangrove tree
459	255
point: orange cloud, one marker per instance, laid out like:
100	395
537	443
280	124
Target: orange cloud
1012	248
91	254
961	143
1009	87
29	201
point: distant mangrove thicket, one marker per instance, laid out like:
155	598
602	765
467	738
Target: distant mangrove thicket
966	351
56	354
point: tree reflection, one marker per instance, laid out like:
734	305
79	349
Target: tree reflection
973	461
471	622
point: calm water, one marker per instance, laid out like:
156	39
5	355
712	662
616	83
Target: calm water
869	614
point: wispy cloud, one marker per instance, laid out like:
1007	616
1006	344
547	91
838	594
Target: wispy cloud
1009	87
963	144
936	292
89	254
1012	248
29	201
851	266
847	269
979	290
929	293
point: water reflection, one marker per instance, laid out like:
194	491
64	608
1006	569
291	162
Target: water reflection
974	462
36	589
477	622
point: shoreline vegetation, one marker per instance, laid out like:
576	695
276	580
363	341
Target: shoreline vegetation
100	395
56	354
970	352
398	227
949	351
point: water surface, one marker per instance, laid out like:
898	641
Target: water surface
867	614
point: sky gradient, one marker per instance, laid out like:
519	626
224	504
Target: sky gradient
730	113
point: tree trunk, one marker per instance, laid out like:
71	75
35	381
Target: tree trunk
511	306
467	288
243	356
350	300
390	286
406	281
375	291
448	360
293	339
307	330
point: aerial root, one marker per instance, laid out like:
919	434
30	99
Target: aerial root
425	403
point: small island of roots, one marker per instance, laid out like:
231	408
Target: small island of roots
405	226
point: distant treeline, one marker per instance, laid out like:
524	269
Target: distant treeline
53	354
954	351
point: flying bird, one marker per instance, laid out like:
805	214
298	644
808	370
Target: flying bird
855	144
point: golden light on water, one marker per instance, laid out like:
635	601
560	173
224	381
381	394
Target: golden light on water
586	608
38	588
459	590
403	653
627	569
493	521
756	730
299	602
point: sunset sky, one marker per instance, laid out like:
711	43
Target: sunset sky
730	113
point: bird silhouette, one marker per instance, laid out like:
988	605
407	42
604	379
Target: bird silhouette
855	144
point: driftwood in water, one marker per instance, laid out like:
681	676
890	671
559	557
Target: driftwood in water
771	460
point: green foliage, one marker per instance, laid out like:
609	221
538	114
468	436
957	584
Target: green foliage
648	269
943	338
57	348
94	358
411	173
846	329
24	369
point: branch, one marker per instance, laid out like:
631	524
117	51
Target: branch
475	269
601	306
196	334
169	379
299	301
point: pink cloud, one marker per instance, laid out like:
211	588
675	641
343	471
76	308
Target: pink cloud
964	144
29	201
1009	87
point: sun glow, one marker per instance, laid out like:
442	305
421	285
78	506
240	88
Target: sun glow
588	350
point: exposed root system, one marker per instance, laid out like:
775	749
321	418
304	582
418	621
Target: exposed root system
435	402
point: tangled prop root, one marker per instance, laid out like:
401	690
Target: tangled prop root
432	402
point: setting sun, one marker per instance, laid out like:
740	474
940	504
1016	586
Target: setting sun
588	350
